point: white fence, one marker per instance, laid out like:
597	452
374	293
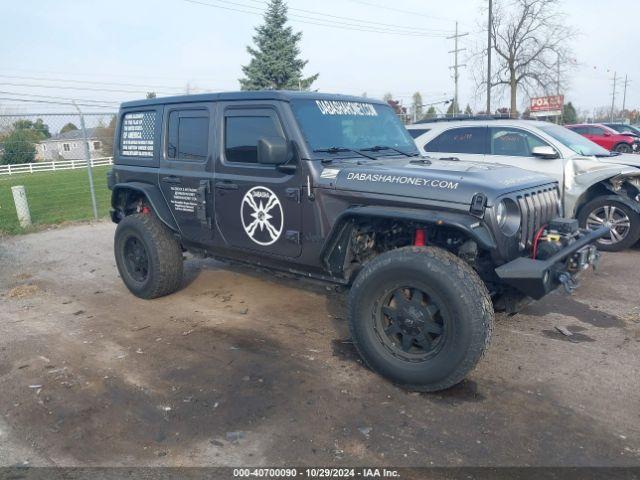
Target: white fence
53	166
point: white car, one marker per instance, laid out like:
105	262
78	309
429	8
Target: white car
598	187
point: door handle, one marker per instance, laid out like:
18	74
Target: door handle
226	186
171	179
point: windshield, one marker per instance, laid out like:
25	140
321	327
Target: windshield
331	124
574	141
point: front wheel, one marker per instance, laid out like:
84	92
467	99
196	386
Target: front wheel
623	148
420	317
623	223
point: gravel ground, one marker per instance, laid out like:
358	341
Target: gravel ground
244	367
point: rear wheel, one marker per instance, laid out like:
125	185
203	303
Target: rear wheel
623	223
421	317
148	257
623	148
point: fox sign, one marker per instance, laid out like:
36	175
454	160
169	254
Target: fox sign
547	106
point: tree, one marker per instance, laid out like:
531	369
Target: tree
467	110
416	106
453	108
275	62
106	134
38	130
387	97
151	94
68	128
569	114
530	43
431	112
19	147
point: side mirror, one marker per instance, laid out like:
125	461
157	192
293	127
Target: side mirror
273	151
544	151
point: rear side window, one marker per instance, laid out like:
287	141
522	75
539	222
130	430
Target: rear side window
243	132
460	140
188	135
137	134
580	130
596	131
416	132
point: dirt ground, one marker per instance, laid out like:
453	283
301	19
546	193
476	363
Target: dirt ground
243	367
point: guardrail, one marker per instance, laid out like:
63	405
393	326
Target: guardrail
53	166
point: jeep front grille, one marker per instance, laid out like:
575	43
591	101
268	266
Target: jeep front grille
537	208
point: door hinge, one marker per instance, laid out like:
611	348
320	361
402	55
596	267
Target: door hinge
292	236
201	208
294	194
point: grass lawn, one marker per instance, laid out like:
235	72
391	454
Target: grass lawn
54	197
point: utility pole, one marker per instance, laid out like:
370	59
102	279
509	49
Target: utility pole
624	94
560	117
455	65
613	96
489	26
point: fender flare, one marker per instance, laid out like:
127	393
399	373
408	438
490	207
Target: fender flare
635	206
153	195
337	241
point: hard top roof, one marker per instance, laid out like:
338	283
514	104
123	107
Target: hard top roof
281	95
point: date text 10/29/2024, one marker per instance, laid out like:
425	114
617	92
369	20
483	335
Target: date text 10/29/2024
317	472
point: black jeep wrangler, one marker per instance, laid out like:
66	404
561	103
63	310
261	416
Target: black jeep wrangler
332	187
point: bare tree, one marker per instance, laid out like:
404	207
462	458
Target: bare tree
531	52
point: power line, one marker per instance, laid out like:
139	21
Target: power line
402	27
337	25
399	10
89	82
52	102
69	87
57	98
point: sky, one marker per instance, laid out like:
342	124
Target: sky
102	53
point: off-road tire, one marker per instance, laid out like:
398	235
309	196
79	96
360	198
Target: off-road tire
623	147
632	236
465	297
165	263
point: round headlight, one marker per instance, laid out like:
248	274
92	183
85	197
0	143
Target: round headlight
508	217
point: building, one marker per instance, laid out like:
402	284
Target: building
69	146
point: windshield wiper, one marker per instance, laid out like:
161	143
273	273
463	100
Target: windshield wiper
343	149
377	148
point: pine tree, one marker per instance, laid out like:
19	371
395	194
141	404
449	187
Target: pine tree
569	114
275	62
468	111
416	107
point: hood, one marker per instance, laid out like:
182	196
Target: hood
439	180
628	159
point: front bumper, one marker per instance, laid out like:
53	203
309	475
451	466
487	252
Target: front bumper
536	278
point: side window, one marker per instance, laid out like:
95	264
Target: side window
241	135
137	134
513	142
580	130
596	131
460	140
416	132
188	135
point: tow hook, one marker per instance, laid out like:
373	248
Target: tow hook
567	282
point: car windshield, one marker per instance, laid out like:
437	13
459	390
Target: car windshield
343	126
574	141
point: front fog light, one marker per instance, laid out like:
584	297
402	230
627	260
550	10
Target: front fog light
508	217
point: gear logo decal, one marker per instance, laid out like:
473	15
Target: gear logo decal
262	216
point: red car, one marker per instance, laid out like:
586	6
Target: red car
607	137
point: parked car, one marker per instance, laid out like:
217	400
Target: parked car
607	137
332	187
625	128
598	187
